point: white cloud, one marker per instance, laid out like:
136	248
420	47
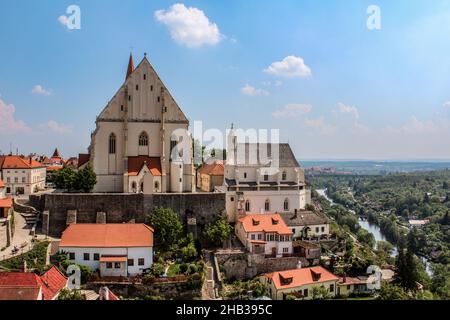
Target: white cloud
292	110
252	91
38	89
9	125
57	127
447	105
63	20
289	67
189	26
343	108
320	125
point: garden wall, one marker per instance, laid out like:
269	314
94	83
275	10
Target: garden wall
60	208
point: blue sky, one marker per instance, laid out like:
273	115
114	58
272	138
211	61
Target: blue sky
347	92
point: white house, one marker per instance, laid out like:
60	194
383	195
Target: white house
262	178
137	139
22	175
113	249
306	224
265	234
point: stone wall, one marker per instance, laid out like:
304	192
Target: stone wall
242	266
62	208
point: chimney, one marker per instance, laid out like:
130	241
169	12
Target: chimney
30	161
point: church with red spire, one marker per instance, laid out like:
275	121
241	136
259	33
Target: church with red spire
134	148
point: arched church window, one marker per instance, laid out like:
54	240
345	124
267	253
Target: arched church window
283	176
143	139
133	186
142	187
112	143
247	205
267	205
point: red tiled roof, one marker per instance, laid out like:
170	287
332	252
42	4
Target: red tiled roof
27	285
17	162
54	168
19	293
113	259
52	282
83	158
270	223
300	277
6	203
135	165
107	235
213	169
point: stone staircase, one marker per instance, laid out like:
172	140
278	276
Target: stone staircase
29	213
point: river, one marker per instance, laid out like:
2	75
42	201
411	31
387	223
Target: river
375	230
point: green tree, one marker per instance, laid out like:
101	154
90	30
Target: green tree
392	292
188	250
320	293
85	179
64	178
157	269
440	281
167	226
218	232
67	294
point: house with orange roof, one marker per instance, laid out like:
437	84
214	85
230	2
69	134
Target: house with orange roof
5	203
265	234
22	175
299	282
30	286
210	176
116	250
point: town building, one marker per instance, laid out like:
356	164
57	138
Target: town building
6	203
306	224
265	234
261	178
30	286
113	249
210	176
299	282
141	143
22	175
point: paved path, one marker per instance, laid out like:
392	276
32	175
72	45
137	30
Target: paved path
21	236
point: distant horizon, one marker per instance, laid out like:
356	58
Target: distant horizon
379	160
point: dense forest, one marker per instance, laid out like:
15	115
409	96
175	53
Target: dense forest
391	201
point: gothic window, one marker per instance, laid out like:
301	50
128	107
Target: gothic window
247	205
112	143
245	175
173	144
137	87
143	139
159	99
142	187
156	185
286	204
267	205
283	176
145	76
266	177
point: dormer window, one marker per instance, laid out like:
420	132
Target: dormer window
255	222
274	221
285	281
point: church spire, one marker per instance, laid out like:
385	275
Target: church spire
130	66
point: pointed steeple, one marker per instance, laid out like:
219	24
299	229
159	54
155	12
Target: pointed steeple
130	66
56	154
